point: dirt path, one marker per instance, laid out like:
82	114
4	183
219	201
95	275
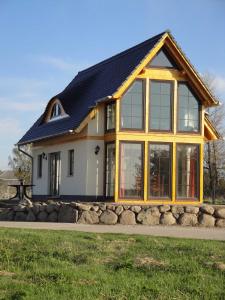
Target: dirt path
166	231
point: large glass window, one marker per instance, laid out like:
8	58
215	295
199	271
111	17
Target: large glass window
132	107
131	170
188	109
160	170
110	170
110	116
187	171
160	105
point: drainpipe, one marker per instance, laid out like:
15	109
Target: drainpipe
32	162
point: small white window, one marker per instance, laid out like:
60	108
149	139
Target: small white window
56	111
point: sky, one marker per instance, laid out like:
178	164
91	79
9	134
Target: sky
44	43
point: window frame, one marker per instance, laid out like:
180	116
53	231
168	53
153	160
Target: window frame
105	166
196	199
39	166
142	143
149	197
70	166
106	117
199	112
143	108
172	84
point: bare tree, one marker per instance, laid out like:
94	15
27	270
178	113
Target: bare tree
214	158
21	164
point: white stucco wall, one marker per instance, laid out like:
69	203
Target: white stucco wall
88	169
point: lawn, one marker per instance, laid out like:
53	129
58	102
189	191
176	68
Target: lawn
37	264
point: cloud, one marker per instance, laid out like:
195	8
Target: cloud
9	105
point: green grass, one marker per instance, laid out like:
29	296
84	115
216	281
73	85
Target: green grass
69	265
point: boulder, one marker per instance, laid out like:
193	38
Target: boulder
89	217
220	213
20	207
127	218
207	209
154	211
220	222
126	207
30	216
177	210
82	206
36	208
42	216
164	208
119	210
108	217
43	207
50	208
7	215
52	217
102	206
26	202
67	214
206	220
187	219
146	217
191	209
167	218
136	208
20	216
95	208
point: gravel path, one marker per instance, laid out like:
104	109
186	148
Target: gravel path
165	231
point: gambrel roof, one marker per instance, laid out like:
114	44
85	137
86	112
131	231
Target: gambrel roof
108	78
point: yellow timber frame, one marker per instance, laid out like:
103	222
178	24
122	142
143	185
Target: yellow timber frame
167	137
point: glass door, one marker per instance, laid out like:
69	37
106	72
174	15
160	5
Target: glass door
110	170
54	173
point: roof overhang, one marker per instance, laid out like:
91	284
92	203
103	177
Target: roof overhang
210	132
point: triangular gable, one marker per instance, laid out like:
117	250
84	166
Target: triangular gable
168	42
162	60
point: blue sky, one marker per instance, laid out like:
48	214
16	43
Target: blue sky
44	43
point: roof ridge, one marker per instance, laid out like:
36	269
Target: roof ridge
107	60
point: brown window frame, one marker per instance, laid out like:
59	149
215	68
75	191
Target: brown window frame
143	108
198	174
142	143
171	130
199	113
170	172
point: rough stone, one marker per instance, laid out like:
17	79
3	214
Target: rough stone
20	207
136	208
167	218
50	208
99	212
220	222
108	217
84	207
146	217
177	210
111	207
187	219
43	207
7	215
42	216
20	216
206	220
127	217
154	211
119	210
191	209
26	202
207	209
89	217
164	208
95	208
102	206
126	207
36	208
52	217
220	213
30	216
67	214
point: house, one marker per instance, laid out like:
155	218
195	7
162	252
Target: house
129	129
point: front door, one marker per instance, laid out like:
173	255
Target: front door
54	173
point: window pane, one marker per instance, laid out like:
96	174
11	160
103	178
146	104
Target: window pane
188	110
132	107
110	116
160	171
110	170
163	59
187	171
131	170
160	105
71	163
39	166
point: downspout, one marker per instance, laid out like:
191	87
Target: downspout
32	162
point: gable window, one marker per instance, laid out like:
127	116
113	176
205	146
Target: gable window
71	162
160	107
159	170
162	60
188	110
110	116
56	111
39	166
187	171
132	106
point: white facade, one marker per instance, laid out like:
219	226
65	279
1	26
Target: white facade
88	178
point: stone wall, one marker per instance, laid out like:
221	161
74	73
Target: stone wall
110	214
